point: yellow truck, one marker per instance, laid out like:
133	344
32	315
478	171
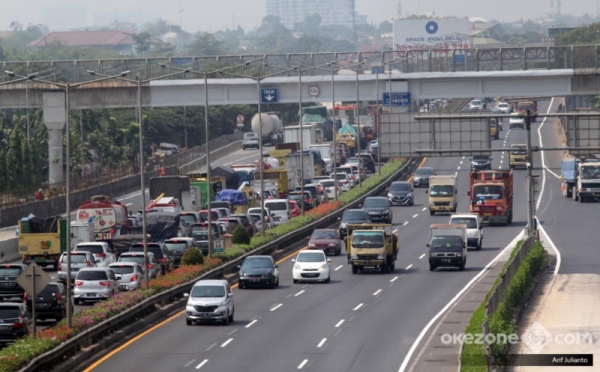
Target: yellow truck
372	246
278	175
280	155
349	139
517	158
442	194
42	240
494	130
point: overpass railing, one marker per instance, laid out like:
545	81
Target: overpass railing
407	60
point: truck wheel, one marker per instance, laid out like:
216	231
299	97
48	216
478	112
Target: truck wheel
431	213
574	193
354	269
383	268
431	267
462	266
581	199
392	267
55	266
479	245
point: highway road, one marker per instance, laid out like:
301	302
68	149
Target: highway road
358	322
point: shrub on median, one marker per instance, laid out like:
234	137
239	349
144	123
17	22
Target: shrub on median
192	256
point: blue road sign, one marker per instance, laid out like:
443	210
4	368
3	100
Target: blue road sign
398	99
269	95
374	69
459	58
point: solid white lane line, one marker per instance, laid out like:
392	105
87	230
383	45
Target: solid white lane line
303	363
227	342
408	267
358	307
276	307
232	332
405	223
337	268
392	231
456	297
394	279
190	362
421	257
424	209
414	216
304	286
339	323
299	293
322	342
252	322
201	364
558	257
377	292
211	346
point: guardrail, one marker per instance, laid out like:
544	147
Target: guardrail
50	360
201	161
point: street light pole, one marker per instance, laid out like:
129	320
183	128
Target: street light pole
335	149
357	120
209	190
301	140
377	118
143	182
260	160
68	199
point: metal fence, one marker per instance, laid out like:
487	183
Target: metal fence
416	60
111	174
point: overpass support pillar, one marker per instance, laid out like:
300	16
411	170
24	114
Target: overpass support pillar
55	120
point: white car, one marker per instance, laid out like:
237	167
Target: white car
329	187
95	283
503	107
476	104
103	255
474	228
516	121
250	139
343	181
268	216
129	275
311	266
210	300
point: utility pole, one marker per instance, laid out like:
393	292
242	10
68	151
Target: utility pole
530	196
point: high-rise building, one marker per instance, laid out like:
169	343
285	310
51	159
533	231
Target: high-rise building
332	12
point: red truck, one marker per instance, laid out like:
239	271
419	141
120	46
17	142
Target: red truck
491	196
107	214
522	107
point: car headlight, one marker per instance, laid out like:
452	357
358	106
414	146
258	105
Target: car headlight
332	245
242	274
354	256
380	257
311	245
459	255
322	267
431	254
409	195
343	226
431	203
297	267
390	195
224	303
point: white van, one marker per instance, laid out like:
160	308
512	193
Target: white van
250	139
474	228
281	208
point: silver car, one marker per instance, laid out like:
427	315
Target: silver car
79	260
103	255
96	283
210	300
129	275
154	268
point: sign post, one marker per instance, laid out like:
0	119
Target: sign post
240	119
33	280
218	246
399	99
269	95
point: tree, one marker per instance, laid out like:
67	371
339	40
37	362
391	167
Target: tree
386	27
14	159
143	42
206	44
240	235
28	166
4	184
589	34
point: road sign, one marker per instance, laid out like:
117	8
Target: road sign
218	246
398	99
459	58
269	95
314	91
240	119
33	279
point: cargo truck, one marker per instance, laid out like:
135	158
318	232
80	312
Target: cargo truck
108	215
272	127
292	165
310	135
517	157
176	187
280	176
442	194
372	246
491	196
447	246
326	151
581	178
42	240
522	107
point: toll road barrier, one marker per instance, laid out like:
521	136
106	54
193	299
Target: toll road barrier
9	250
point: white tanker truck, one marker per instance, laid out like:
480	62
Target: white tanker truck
272	127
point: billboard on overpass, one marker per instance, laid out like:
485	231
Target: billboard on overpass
450	33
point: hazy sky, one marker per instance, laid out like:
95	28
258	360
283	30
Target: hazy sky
212	15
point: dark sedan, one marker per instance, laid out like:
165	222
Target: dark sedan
481	162
421	176
50	303
15	321
326	240
178	246
352	216
258	271
8	281
378	209
401	193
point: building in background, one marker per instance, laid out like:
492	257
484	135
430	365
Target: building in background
439	33
118	41
332	12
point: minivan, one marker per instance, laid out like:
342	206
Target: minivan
281	208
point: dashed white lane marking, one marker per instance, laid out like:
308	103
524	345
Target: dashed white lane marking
303	363
421	257
211	346
252	322
304	286
299	293
395	230
337	268
424	209
458	167
227	342
276	307
201	364
189	363
339	323
456	173
393	279
463	157
232	332
358	307
461	162
405	223
414	216
322	342
377	292
408	267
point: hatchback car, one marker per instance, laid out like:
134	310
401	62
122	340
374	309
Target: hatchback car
352	216
326	240
178	246
154	269
258	271
50	303
329	187
79	260
15	322
343	181
297	197
103	255
378	209
311	265
210	300
368	162
421	176
401	193
162	254
95	283
129	275
8	281
481	162
191	217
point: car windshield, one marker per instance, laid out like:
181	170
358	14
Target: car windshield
445	244
339	176
257	263
354	216
136	259
255	218
501	105
208	291
75	258
590	172
353	161
94	249
403	186
176	246
10	271
475	103
189	218
9	312
367	239
213	215
525	106
324	234
470	222
311	257
277	206
249	135
295	197
91	275
121	269
375	203
155	249
518	151
328	183
441	190
480	158
487	192
424	172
